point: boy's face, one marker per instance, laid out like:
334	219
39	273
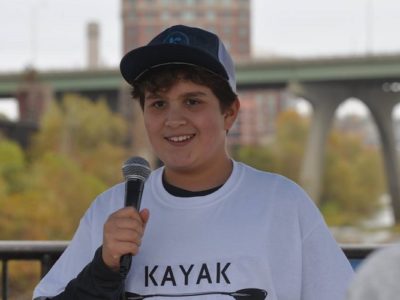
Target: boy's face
186	127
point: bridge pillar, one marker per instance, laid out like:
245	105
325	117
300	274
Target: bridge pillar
324	98
33	98
381	106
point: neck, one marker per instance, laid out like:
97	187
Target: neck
200	179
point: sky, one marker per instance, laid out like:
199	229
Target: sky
51	34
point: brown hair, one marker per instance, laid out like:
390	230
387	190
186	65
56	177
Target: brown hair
164	77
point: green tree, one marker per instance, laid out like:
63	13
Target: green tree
86	132
12	165
284	155
291	135
76	155
353	180
353	175
261	157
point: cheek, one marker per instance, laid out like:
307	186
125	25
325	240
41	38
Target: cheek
213	125
151	129
147	126
151	121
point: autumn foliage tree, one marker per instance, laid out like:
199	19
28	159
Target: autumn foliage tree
45	190
78	151
353	178
87	133
76	155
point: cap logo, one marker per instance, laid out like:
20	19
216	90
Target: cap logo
177	37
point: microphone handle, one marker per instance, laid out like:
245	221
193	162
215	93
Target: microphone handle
133	197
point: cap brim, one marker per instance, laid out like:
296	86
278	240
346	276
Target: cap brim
140	60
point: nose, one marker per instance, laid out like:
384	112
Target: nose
175	118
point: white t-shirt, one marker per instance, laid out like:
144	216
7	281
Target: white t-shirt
377	278
259	231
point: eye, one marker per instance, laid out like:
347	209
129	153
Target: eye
159	104
192	101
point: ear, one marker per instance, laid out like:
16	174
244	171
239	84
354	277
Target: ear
231	113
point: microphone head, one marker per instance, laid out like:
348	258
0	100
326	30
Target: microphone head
136	167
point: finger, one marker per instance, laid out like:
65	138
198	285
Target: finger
114	244
112	254
128	223
144	216
128	212
126	235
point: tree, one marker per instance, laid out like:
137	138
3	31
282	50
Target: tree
291	135
12	165
353	180
353	175
86	132
284	155
76	155
261	157
59	192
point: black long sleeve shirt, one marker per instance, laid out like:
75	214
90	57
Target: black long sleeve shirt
95	282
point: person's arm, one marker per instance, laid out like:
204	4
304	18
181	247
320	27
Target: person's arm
96	281
100	279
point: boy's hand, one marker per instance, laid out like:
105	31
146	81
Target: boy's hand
123	232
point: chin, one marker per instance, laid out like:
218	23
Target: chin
178	164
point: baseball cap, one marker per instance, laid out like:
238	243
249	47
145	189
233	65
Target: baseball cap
180	44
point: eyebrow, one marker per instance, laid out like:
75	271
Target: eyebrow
152	96
184	95
193	94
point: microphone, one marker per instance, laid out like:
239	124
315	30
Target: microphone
135	170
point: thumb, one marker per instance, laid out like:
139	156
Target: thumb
144	215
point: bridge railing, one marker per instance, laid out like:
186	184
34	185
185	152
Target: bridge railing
47	252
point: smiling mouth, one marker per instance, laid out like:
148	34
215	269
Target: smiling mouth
180	138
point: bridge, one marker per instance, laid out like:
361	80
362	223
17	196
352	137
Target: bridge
47	253
325	83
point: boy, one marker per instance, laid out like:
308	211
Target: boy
218	228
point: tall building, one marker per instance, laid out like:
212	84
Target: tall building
255	124
230	19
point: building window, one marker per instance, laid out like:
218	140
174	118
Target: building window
243	32
243	17
165	16
150	31
243	48
212	29
211	16
188	16
150	16
227	30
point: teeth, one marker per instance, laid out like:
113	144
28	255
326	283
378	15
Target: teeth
180	138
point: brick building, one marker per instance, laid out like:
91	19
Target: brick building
230	20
